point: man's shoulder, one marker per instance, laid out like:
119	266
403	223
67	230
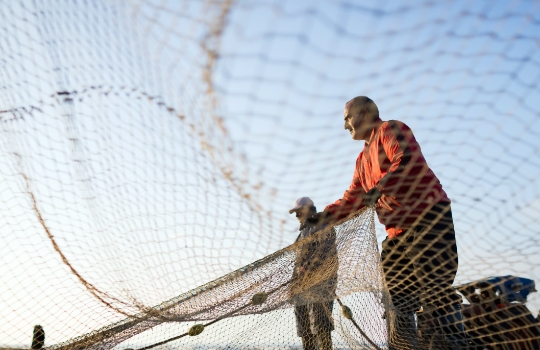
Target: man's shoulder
392	124
310	228
395	128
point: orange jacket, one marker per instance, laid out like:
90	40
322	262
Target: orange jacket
393	162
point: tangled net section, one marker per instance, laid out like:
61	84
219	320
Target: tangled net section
150	151
256	301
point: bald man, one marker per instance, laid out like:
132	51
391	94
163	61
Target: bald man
419	255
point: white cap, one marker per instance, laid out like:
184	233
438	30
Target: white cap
301	202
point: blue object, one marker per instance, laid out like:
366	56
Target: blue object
510	288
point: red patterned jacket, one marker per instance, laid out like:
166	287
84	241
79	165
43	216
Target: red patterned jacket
393	162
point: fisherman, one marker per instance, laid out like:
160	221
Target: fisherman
419	256
316	275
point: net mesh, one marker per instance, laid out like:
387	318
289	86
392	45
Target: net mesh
149	147
269	286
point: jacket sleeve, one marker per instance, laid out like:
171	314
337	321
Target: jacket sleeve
398	143
352	200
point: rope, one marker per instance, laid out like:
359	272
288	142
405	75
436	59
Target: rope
347	313
253	301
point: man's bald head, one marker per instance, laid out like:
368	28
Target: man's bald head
364	102
361	115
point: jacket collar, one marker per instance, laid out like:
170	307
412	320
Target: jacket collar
376	127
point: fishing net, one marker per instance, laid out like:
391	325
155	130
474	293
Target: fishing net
251	307
150	152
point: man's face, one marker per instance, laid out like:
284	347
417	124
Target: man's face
358	122
302	214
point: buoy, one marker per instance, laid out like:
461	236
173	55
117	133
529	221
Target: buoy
196	329
259	298
346	312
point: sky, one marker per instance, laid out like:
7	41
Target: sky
185	137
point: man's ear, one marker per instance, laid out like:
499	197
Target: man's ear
366	111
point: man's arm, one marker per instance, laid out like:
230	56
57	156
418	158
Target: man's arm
352	200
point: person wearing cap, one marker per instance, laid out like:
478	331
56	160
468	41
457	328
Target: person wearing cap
315	274
419	256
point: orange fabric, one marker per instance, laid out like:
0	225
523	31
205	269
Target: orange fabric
393	232
393	162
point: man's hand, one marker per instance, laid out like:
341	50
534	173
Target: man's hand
372	196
